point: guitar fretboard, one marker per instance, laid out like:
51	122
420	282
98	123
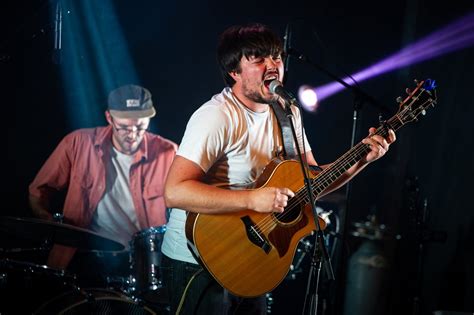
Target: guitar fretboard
332	173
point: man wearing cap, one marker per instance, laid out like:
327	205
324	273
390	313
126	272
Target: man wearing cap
114	175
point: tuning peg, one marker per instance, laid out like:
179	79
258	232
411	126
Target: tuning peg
416	81
399	99
381	120
408	91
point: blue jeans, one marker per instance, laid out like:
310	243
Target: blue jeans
204	295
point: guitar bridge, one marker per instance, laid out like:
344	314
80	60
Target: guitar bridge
255	235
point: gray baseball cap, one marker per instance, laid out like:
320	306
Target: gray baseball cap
131	101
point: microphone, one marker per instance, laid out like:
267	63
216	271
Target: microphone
276	87
286	49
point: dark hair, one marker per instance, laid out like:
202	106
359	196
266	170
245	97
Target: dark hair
245	40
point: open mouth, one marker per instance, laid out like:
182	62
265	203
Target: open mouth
268	79
266	83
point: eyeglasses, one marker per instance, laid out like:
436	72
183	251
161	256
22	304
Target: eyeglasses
124	131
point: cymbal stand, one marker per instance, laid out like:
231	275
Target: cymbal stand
45	246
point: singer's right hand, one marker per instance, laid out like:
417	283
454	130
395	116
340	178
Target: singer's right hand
269	199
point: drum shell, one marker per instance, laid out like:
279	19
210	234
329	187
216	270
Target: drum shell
29	283
146	266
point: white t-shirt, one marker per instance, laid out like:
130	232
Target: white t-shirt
116	217
232	144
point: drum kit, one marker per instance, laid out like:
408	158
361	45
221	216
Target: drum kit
139	291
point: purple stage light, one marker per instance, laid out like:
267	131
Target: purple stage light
308	97
455	36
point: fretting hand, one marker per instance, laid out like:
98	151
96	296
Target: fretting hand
378	144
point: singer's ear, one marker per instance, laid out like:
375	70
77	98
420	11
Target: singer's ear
234	75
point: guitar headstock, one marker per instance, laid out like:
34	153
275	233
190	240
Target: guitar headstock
418	101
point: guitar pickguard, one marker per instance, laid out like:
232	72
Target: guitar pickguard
281	235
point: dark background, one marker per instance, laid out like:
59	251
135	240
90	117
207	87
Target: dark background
172	48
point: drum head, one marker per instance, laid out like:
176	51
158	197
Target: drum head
93	301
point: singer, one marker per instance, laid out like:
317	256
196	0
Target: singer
228	142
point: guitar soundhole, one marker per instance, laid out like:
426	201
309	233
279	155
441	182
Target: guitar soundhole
290	215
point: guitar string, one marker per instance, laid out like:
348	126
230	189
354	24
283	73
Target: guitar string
267	223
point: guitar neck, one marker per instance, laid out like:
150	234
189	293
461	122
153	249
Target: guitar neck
332	173
415	104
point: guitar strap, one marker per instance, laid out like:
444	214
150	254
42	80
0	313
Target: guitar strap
285	129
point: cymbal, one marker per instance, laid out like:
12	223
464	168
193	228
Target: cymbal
57	233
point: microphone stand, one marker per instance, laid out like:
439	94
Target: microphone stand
58	22
359	94
359	98
311	297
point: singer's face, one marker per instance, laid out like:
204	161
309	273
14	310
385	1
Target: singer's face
255	75
127	134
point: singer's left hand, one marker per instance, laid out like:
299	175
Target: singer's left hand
378	144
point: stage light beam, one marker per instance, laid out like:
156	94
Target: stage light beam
455	36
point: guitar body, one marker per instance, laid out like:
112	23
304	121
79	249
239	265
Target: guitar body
247	252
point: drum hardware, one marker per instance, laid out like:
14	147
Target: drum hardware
144	283
306	245
3	280
145	264
269	299
27	267
90	298
58	217
138	289
31	281
123	284
43	247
